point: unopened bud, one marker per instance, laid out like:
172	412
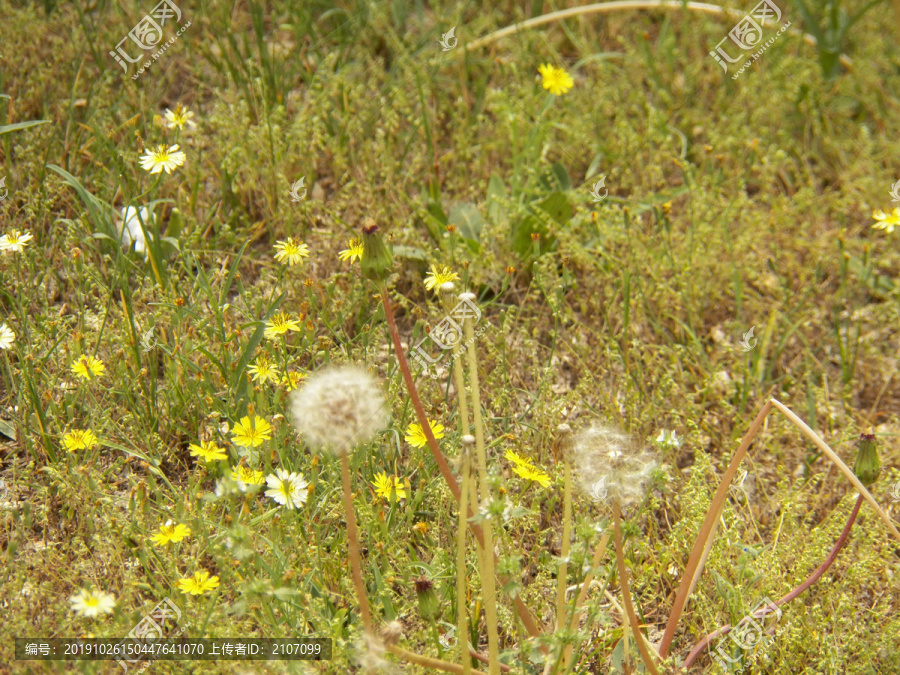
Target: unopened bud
868	466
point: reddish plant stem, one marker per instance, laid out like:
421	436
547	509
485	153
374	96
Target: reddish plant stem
813	578
521	608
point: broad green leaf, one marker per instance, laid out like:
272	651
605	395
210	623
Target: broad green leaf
468	220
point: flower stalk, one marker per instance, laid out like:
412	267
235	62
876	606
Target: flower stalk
626	594
724	630
489	581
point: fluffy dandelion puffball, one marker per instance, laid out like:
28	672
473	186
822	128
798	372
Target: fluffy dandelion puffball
338	409
610	465
93	603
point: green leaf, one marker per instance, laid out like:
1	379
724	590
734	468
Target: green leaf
410	253
468	220
19	126
496	196
556	178
555	207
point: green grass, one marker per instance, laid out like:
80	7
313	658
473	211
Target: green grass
732	204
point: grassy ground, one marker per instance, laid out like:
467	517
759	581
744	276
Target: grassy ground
732	204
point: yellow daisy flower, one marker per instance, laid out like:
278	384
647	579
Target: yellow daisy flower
555	80
290	251
291	380
532	473
263	370
180	117
887	221
15	241
198	584
251	432
88	367
415	435
171	532
389	488
79	439
169	159
354	252
517	459
438	276
280	324
244	474
208	450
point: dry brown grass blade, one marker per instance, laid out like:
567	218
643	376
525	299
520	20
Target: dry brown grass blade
712	516
846	470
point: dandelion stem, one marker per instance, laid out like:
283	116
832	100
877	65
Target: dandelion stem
626	594
521	608
488	580
760	613
461	586
582	595
355	565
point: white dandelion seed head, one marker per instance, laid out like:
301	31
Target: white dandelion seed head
339	408
610	465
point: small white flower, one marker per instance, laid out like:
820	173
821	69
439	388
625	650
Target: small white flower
288	489
130	227
669	439
7	337
339	409
93	603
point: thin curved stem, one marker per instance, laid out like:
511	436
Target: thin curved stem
810	580
623	5
626	594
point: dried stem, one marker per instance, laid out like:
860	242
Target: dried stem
846	470
626	594
712	516
622	5
813	578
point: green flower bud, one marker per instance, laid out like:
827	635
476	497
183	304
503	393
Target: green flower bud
377	258
867	467
429	603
